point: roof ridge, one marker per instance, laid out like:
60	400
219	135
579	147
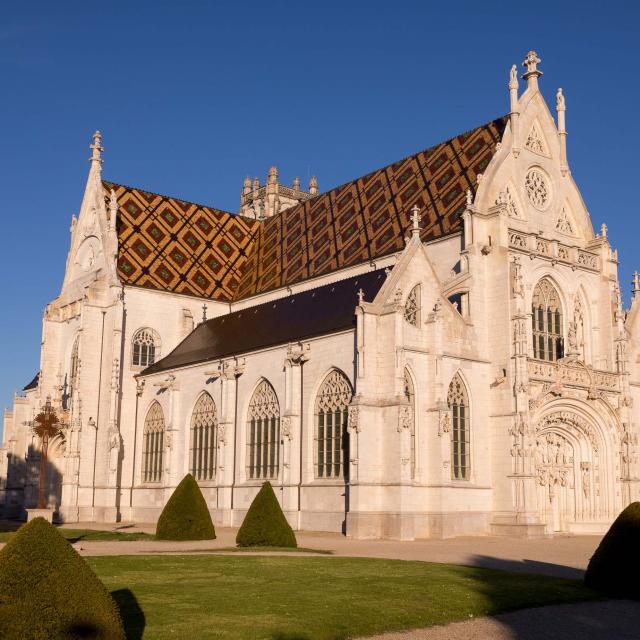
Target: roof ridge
403	159
168	197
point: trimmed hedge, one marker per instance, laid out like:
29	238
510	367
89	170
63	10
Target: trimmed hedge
48	591
265	524
186	516
614	568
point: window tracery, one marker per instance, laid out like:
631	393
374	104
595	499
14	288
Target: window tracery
563	223
534	141
505	197
458	403
546	320
412	307
153	444
537	188
204	424
146	348
264	433
332	440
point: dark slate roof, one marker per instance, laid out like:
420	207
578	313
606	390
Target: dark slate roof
327	309
174	245
33	384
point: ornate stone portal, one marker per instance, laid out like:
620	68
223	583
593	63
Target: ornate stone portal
571	489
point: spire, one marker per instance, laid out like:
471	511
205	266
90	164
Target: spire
561	107
635	284
415	222
313	186
273	175
246	186
256	183
514	113
97	149
532	73
296	183
603	230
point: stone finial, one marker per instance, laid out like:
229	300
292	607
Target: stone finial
513	77
313	186
204	313
97	149
113	208
532	73
360	296
273	175
635	284
256	183
246	186
561	107
514	112
469	197
603	230
415	221
296	183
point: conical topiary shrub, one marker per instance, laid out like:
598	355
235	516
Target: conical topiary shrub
265	524
186	516
48	591
614	568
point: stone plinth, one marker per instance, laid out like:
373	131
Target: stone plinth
47	514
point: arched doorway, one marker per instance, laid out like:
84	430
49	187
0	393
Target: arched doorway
573	473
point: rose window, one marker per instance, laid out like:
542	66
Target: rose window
537	189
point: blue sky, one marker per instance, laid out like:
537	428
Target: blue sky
192	96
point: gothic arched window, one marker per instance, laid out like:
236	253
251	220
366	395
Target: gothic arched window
546	322
412	307
410	395
146	348
263	441
458	403
153	444
332	439
204	424
72	383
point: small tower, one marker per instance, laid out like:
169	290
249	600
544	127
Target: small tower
268	200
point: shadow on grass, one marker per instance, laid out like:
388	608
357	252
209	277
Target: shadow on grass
528	566
284	635
132	614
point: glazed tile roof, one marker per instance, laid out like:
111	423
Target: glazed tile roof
174	245
170	244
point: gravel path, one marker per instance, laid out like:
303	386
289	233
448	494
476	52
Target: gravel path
565	557
611	620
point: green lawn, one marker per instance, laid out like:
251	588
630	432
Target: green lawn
303	598
75	535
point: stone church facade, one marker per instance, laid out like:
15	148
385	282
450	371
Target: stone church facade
437	348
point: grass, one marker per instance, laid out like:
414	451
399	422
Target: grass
76	535
310	598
